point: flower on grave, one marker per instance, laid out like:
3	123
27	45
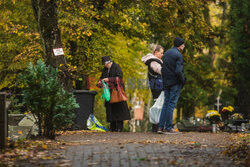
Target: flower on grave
213	116
237	116
228	109
226	112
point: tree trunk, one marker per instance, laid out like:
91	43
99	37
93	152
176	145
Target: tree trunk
178	117
211	42
243	98
240	39
188	111
46	15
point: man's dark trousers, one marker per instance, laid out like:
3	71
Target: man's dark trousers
171	96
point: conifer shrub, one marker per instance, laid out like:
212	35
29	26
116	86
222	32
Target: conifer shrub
44	96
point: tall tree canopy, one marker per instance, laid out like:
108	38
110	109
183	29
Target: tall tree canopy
240	51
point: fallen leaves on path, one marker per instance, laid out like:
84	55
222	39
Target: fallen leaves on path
34	151
240	150
28	151
78	132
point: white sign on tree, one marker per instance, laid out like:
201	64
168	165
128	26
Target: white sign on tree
58	51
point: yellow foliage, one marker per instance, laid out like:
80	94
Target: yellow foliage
227	109
44	146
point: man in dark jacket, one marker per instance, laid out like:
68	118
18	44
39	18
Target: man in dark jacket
173	81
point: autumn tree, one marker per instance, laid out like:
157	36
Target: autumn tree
45	12
19	41
239	42
168	19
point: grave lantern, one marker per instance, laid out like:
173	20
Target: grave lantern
138	111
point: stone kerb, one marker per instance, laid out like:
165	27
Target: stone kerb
22	126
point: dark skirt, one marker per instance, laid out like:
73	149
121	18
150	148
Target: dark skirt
117	111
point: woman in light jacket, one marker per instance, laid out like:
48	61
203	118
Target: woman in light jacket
154	63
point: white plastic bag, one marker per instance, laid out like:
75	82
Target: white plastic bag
155	110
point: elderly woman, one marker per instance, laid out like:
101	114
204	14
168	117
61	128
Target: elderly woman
116	113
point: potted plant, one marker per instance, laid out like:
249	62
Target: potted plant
226	112
236	119
214	117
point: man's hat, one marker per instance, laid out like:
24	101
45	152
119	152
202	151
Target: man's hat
106	60
178	41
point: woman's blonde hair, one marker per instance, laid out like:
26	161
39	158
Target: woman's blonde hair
157	48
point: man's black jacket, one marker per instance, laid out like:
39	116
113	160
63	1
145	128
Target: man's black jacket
172	68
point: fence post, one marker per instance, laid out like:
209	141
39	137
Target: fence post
3	120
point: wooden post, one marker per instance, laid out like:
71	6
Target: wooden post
3	120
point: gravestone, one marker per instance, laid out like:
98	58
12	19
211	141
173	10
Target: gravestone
30	121
22	126
3	120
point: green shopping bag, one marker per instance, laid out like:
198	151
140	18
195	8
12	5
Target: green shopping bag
105	91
